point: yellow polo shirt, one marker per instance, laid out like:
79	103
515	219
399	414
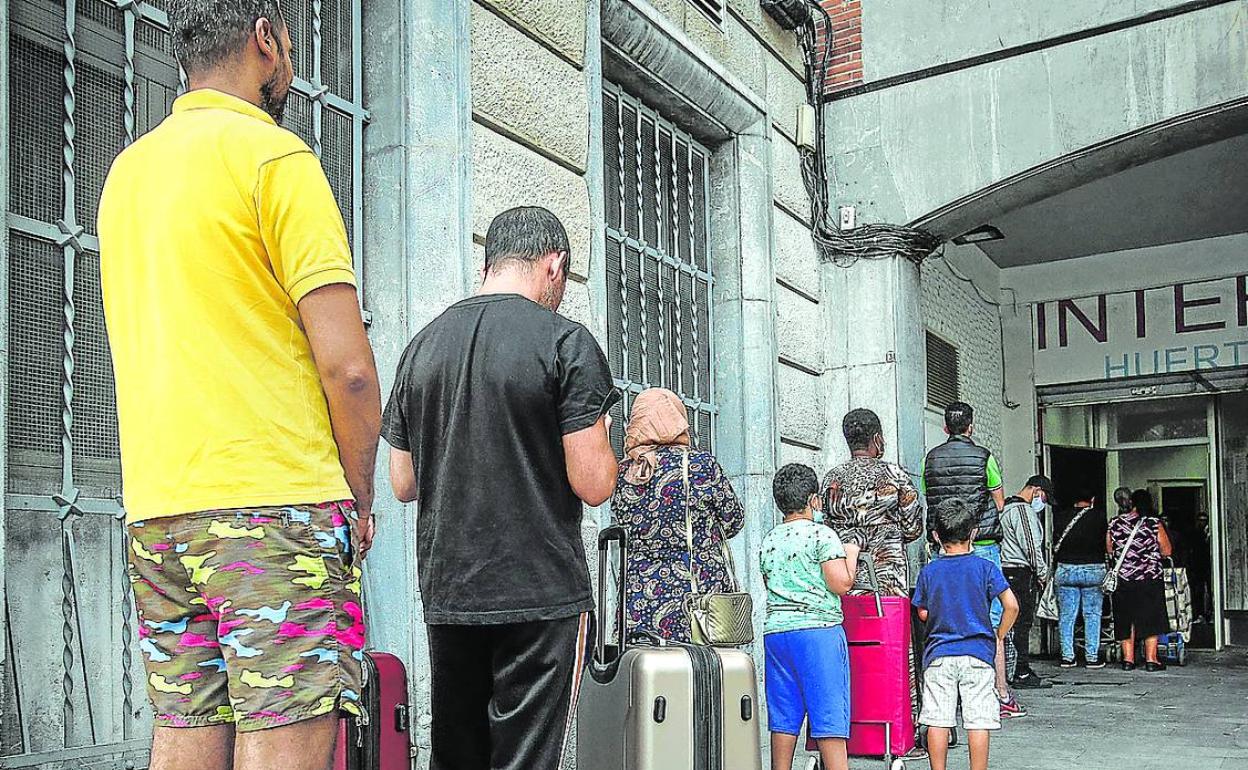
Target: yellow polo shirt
212	227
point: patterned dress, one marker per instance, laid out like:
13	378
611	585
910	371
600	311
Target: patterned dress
657	574
1143	561
875	505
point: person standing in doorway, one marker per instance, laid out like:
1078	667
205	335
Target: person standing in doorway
1080	557
498	429
1026	568
960	468
1137	542
248	408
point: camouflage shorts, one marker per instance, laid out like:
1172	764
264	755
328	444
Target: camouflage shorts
250	616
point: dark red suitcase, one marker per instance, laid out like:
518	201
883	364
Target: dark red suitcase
379	739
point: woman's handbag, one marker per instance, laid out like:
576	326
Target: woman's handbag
1110	584
715	619
1048	608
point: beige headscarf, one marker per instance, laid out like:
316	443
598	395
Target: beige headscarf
658	419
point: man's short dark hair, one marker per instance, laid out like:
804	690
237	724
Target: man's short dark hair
954	521
859	427
525	234
958	417
208	32
793	486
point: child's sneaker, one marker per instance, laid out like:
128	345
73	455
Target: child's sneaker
1012	709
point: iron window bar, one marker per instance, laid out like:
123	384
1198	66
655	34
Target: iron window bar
659	224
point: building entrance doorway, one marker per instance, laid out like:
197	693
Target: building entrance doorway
1166	446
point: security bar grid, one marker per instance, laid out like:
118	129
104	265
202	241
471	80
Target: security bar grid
659	280
87	78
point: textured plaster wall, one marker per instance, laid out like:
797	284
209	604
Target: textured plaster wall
901	152
955	312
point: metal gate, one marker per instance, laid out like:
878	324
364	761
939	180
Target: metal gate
86	78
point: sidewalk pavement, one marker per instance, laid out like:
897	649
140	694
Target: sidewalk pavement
1189	718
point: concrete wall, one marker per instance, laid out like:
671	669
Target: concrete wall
901	152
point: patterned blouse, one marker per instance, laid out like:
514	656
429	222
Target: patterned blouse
657	573
1143	561
875	504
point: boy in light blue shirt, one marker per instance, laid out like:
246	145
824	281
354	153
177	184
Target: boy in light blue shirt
807	569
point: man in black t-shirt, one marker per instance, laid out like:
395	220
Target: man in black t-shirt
499	430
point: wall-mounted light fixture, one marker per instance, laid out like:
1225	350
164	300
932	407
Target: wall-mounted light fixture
980	234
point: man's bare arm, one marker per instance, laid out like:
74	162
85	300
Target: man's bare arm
344	359
591	462
402	475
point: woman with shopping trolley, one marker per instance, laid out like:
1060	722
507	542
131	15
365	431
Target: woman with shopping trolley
1137	542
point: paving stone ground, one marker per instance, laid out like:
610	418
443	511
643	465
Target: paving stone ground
1189	718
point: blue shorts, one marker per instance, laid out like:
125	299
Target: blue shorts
808	675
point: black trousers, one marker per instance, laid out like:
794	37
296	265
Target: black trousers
504	695
1023	583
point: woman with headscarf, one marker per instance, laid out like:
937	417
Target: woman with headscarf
650	501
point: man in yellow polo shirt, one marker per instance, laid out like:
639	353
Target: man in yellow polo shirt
248	407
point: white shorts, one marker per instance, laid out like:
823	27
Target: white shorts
963	677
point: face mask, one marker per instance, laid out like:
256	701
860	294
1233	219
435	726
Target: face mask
1037	504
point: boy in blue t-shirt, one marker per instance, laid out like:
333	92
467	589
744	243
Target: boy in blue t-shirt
954	595
806	569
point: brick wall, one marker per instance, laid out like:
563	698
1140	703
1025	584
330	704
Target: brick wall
845	66
953	311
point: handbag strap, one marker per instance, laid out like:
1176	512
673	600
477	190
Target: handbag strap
693	580
725	551
1066	532
1127	547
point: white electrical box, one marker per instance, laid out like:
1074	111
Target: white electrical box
849	217
806	127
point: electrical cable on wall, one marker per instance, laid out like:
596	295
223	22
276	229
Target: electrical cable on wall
843	247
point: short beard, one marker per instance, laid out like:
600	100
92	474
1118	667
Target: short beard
549	298
270	102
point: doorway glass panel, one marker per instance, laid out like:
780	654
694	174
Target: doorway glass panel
1166	420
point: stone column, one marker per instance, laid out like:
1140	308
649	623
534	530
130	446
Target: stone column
877	357
416	261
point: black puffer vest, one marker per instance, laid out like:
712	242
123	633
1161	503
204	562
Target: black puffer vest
959	468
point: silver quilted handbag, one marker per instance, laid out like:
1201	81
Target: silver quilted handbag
718	619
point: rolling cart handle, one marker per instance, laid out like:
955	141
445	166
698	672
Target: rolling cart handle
865	560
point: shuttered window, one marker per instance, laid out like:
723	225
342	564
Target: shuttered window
659	277
942	372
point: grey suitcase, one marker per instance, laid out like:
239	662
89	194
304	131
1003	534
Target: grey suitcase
655	706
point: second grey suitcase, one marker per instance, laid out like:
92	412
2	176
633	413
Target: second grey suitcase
664	707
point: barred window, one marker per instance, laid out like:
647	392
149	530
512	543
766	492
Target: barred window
659	276
86	78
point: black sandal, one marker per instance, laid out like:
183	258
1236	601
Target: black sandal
1128	665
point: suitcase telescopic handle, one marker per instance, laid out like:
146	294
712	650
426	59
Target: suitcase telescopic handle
619	535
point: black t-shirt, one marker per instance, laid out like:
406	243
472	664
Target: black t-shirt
1086	542
483	397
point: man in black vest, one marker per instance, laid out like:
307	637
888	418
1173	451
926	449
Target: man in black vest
963	469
